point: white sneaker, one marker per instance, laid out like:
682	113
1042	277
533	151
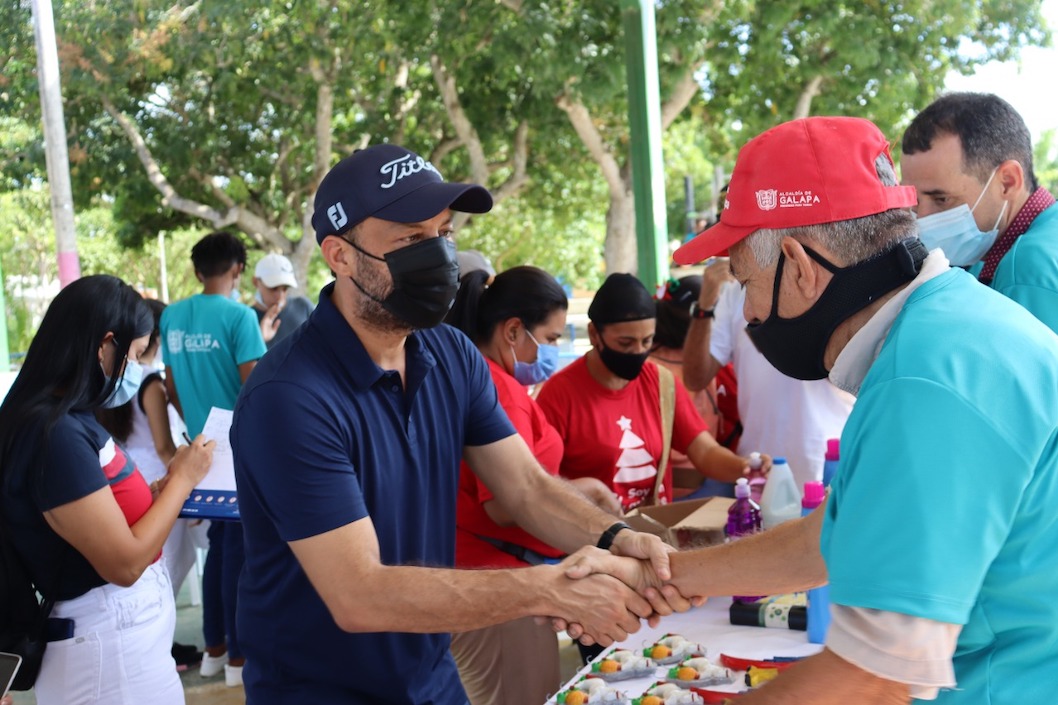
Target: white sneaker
232	676
212	665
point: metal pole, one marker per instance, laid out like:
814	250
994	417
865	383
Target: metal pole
55	142
644	117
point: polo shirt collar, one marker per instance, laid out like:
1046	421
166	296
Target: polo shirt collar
350	353
860	352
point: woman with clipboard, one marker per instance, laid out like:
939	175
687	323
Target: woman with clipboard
78	511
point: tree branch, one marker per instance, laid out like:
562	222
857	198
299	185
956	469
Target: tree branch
479	168
582	123
804	101
250	223
518	177
444	149
682	94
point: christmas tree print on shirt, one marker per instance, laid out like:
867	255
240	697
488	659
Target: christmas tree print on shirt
635	474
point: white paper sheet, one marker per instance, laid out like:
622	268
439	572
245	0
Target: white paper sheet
221	475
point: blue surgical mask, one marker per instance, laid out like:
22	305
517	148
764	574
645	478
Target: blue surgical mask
956	233
127	386
529	373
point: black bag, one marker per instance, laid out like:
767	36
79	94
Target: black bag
23	617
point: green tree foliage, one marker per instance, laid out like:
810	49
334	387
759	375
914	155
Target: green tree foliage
879	59
1045	160
226	114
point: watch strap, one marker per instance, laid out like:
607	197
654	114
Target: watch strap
606	540
698	313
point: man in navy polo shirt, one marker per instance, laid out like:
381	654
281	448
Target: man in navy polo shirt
347	441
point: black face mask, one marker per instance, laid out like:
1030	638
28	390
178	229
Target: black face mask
425	281
796	346
624	365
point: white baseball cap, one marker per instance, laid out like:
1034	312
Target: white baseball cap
275	270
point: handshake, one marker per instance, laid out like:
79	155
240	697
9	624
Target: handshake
599	597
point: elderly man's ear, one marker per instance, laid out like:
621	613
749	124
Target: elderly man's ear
809	278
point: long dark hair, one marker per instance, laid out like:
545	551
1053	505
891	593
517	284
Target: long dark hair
526	292
118	421
61	370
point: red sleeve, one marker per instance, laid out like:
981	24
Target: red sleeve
519	411
554	401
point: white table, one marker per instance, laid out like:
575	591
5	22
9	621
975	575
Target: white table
711	627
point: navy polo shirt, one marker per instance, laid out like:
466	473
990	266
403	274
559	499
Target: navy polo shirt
324	437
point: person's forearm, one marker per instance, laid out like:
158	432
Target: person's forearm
780	560
430	600
565	519
699	365
827	679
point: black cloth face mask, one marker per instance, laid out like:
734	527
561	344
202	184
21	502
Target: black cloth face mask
796	346
624	365
425	281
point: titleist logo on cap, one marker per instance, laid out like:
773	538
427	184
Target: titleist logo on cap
405	166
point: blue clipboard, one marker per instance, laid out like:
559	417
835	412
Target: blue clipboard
211	504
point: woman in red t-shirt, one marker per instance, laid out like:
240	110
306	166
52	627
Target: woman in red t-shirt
516	322
78	512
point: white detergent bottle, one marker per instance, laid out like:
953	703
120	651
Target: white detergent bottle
781	500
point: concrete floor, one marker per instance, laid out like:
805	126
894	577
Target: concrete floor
212	691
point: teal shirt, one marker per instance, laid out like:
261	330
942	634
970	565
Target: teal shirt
204	340
1028	272
946	502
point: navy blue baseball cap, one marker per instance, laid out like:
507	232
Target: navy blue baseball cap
388	182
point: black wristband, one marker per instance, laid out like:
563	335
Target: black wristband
698	313
606	540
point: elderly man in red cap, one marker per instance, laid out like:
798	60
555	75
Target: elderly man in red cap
938	536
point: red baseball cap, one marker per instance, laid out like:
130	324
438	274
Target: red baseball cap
804	172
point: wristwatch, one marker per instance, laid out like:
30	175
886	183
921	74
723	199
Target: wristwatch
697	312
606	540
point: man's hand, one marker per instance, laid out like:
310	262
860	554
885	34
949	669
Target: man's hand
270	321
637	544
713	278
642	575
604	608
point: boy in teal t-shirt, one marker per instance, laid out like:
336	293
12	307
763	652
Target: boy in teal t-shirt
210	345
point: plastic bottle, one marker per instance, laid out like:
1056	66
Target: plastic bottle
743	519
757	479
830	464
781	500
818	598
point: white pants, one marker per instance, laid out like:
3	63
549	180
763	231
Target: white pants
120	651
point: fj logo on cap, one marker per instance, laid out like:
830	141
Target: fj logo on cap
405	166
337	215
767	199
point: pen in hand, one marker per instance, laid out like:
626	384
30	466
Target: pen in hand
186	437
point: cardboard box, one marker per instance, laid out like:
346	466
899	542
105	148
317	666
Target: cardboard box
691	524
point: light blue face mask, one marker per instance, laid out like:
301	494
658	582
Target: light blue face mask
529	373
127	387
955	232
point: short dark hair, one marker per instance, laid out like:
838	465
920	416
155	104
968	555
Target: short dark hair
988	127
217	252
527	293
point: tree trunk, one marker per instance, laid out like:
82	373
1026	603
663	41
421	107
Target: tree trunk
619	250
